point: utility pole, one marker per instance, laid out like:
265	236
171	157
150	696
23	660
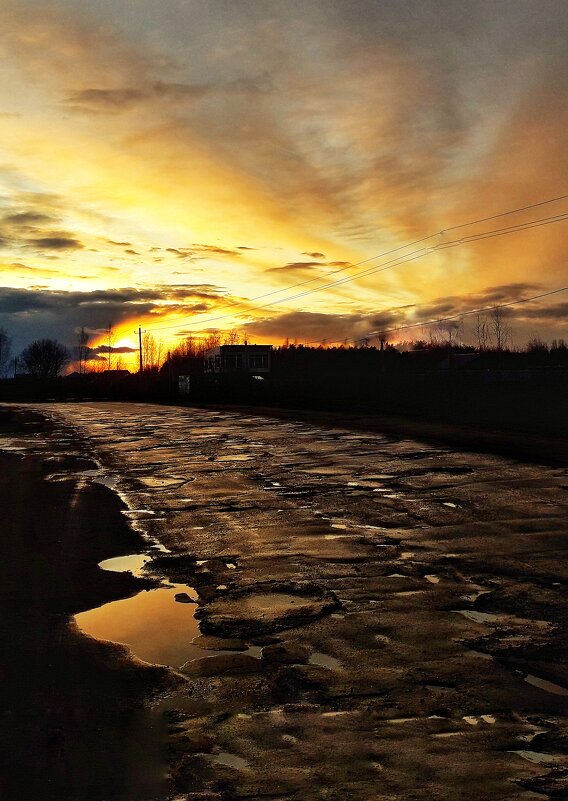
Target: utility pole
140	347
110	341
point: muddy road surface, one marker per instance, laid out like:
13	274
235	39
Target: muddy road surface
310	612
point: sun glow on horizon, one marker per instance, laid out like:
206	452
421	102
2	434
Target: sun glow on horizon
218	185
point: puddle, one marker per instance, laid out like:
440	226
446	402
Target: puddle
11	445
336	714
481	655
547	686
477	617
528	738
107	481
152	624
159	482
450	504
324	660
126	564
473	721
538	759
487	618
473	596
230	760
274	601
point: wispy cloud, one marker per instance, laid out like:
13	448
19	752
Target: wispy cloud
345	128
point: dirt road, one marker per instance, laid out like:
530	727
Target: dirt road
380	619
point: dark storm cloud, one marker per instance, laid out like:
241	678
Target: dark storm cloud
27	218
214	249
388	319
121	99
311	326
295	265
507	292
556	312
55	243
490	296
30	313
16	300
196	251
106	349
318	326
31	228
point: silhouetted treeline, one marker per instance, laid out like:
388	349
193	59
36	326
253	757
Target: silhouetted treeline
497	388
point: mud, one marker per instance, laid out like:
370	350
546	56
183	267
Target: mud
343	558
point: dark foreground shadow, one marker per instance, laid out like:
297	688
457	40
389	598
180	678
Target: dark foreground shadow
73	724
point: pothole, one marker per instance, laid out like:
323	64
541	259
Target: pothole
151	624
274	607
547	686
230	760
324	660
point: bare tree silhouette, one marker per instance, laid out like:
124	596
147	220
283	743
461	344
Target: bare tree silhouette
45	358
5	350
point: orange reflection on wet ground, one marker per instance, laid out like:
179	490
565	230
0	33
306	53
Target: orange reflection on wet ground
156	627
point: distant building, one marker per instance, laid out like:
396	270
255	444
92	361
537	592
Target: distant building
239	359
184	384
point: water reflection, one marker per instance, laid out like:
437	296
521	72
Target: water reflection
152	624
126	564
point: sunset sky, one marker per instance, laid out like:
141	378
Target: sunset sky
180	164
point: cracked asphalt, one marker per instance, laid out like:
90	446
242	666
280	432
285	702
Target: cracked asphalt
409	600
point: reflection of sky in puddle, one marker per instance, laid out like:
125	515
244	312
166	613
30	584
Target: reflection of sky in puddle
325	660
11	445
230	760
273	601
537	758
547	686
152	624
122	564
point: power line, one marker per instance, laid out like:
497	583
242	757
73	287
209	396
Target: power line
457	316
434	248
304	283
394	263
388	253
506	213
